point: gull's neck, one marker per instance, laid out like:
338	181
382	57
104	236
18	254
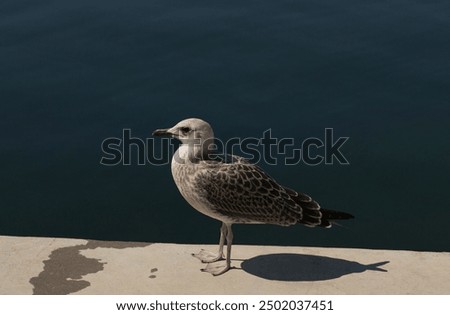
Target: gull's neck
194	150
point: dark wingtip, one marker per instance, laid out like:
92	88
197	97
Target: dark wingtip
335	215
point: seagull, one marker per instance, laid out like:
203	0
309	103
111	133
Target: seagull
234	191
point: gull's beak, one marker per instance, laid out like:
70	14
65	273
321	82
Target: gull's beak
162	133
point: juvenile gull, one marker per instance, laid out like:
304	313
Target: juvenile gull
233	190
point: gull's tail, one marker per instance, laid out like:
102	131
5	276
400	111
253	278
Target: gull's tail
312	213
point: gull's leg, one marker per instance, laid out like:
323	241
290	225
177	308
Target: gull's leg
229	243
208	257
219	268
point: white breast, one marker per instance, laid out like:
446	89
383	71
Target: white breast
183	172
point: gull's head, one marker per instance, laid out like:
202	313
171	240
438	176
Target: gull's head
188	130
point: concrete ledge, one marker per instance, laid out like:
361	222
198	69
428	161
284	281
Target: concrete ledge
74	266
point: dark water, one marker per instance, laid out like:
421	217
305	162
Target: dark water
73	73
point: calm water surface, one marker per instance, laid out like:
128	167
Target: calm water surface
73	73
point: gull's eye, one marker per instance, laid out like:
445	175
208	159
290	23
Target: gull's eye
185	129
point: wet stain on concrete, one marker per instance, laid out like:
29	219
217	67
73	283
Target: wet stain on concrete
66	266
153	271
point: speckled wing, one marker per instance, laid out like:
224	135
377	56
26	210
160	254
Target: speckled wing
245	194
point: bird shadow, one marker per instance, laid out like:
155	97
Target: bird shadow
300	267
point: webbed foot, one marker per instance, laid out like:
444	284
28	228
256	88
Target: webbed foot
217	268
208	257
